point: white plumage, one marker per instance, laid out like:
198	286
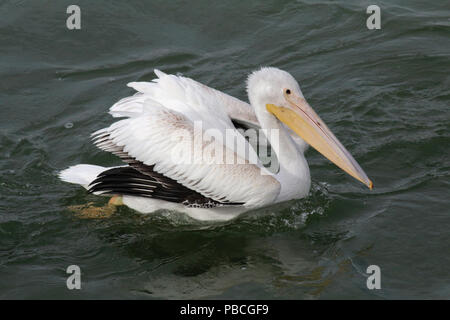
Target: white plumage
170	139
154	139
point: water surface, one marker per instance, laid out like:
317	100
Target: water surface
384	93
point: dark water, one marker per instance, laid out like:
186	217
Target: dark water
385	94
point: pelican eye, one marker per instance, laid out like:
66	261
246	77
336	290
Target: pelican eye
288	91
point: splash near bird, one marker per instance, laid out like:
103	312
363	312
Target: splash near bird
164	148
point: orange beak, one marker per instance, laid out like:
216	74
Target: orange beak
302	119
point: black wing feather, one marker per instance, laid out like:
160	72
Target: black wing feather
129	181
139	179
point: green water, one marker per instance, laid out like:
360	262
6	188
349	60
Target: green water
384	93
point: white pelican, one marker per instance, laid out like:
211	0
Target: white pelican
147	139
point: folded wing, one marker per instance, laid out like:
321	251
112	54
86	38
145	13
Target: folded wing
162	140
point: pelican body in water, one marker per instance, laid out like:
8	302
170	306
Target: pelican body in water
156	176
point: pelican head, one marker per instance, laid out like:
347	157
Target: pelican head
276	94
